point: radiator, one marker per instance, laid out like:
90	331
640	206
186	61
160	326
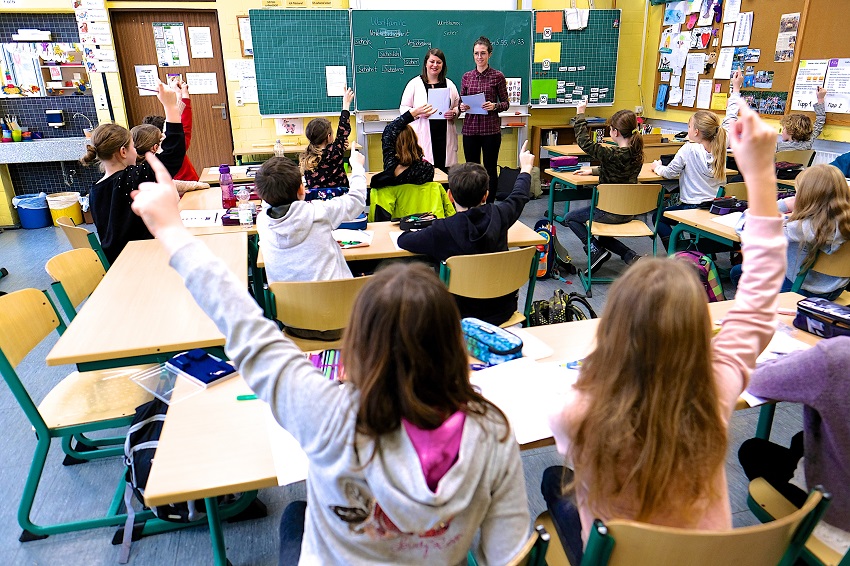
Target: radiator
824	157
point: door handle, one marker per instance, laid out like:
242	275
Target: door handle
223	107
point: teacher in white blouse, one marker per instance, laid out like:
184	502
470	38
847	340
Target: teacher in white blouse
437	137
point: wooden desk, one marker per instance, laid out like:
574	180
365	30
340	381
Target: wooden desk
651	151
519	236
210	175
701	224
241	150
141	312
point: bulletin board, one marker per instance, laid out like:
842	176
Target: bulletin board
581	62
291	51
389	47
767	14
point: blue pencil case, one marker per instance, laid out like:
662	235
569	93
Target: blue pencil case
358	223
489	343
821	317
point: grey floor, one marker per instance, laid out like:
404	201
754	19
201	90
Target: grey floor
74	492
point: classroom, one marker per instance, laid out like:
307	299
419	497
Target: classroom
261	75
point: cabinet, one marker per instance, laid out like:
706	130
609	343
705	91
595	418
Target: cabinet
566	136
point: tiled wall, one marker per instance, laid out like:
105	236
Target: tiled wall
32	178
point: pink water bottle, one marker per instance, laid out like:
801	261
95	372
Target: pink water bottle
228	198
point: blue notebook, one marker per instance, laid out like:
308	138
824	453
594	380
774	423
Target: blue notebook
201	367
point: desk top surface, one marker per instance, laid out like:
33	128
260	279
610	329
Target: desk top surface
238	172
703	220
141	307
191	464
268	148
646	175
574	149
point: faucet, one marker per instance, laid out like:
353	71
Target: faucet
79	114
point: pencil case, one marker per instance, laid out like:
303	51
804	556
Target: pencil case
727	205
488	343
324	193
231	217
563	161
358	223
822	317
416	221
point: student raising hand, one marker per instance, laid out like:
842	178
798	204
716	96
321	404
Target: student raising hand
526	159
753	143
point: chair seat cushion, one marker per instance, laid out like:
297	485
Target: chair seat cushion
93	396
633	228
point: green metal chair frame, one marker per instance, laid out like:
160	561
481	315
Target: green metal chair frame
446	274
532	554
657	542
588	280
33	309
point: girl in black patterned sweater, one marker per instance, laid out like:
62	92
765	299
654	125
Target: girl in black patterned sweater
321	162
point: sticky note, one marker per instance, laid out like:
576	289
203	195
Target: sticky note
548	87
554	20
551	51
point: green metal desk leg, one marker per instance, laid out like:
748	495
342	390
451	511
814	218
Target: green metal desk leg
765	421
552	186
216	534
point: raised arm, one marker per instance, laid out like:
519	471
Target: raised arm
350	205
733	104
820	114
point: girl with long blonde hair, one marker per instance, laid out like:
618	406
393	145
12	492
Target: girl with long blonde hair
645	426
322	162
700	165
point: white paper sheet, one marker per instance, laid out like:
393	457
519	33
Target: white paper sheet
200	40
731	11
475	101
674	98
743	29
704	93
689	91
394	237
723	68
198	218
810	75
780	345
202	83
363	238
730	220
441	100
728	35
680	45
235	69
147	78
838	85
170	41
290	461
696	63
245	34
335	75
532	346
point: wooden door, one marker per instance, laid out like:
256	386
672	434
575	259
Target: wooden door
133	32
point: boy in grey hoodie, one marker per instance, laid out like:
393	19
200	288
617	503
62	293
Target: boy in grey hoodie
295	234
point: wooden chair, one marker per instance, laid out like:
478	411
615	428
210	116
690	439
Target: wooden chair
767	505
737	190
76	274
802	156
78	404
555	553
836	264
484	276
628	200
620	542
82	238
314	305
533	553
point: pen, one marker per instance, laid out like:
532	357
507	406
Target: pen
789	312
147	89
245	397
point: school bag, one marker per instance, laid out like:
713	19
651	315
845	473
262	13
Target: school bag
506	181
553	258
706	271
561	307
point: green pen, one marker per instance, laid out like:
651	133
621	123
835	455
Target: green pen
349	243
245	397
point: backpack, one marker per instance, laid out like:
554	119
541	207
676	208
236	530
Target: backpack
707	273
506	181
553	259
561	307
139	449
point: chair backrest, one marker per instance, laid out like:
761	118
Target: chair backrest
737	190
534	551
483	276
620	543
26	318
803	156
316	305
628	199
82	238
836	264
403	200
76	273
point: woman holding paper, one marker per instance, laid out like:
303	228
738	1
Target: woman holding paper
436	133
482	126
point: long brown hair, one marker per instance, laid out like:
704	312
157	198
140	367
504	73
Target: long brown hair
709	127
145	137
625	122
442	57
317	132
403	350
106	141
823	199
652	430
407	147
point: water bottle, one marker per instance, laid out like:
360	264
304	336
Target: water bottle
228	199
279	150
246	209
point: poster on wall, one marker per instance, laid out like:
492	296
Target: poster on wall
786	41
810	75
838	86
170	40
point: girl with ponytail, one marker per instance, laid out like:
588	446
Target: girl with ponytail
699	165
321	162
618	164
113	148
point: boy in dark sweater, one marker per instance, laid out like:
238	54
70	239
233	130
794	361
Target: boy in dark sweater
477	228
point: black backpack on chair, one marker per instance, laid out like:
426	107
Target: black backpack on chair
561	307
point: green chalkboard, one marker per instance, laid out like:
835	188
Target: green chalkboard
389	47
581	62
291	50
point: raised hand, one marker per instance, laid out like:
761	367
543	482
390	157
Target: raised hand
526	159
